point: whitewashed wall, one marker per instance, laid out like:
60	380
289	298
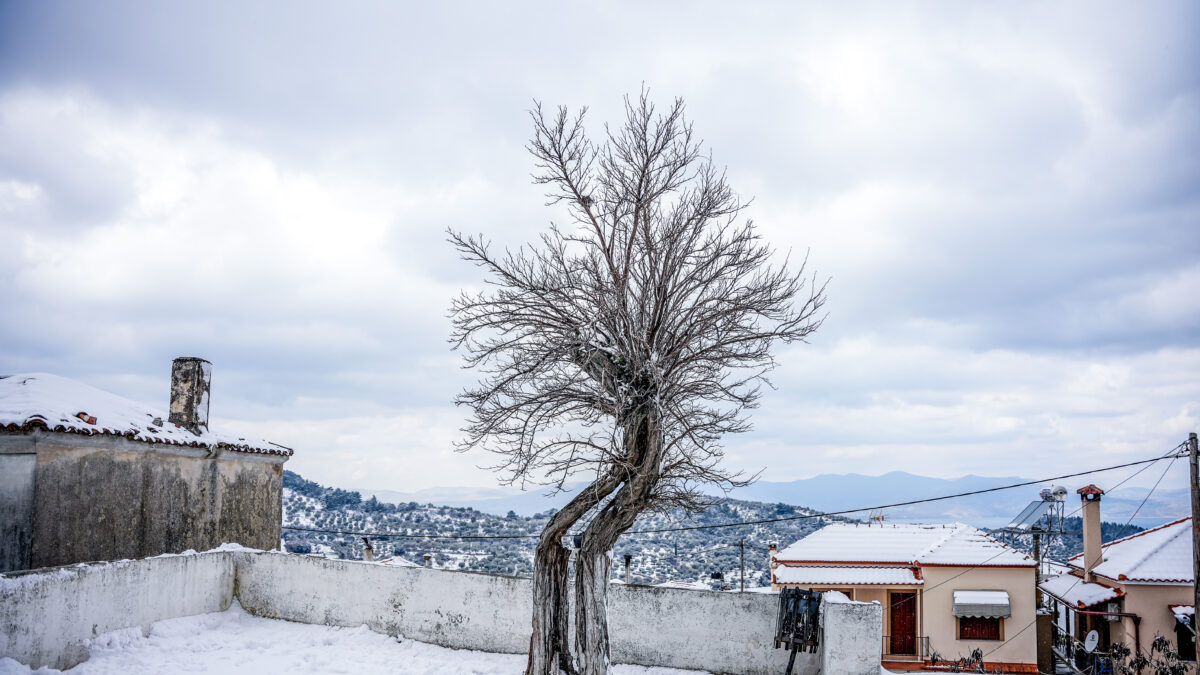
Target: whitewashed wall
719	632
48	617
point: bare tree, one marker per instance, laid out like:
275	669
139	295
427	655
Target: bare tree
621	348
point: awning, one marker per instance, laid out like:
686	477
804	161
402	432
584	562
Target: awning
986	604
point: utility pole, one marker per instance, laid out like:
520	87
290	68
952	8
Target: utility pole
742	555
1037	571
1194	456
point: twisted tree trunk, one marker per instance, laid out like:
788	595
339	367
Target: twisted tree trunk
549	647
593	564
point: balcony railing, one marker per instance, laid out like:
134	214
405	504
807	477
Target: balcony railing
1072	653
906	648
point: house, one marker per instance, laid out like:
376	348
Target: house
945	589
87	475
1128	590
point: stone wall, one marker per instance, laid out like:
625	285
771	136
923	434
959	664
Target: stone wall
110	498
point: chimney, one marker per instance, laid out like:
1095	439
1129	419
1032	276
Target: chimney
1092	553
628	559
368	551
190	379
429	560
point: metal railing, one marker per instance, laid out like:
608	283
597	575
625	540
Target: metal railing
919	648
1071	652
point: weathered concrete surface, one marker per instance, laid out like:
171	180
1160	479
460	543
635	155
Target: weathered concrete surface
719	632
851	635
48	617
109	498
462	610
16	508
190	382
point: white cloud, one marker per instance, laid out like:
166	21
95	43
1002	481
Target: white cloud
1005	198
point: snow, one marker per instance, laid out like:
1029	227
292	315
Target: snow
827	576
59	403
235	642
1161	554
954	544
686	585
1078	593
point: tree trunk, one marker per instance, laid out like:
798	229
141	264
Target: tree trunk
548	653
549	647
593	564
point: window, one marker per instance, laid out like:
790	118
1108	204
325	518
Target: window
978	628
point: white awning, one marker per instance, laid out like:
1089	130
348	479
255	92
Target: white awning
986	604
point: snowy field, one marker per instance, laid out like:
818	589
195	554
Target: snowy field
235	642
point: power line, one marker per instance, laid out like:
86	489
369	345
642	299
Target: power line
1123	528
765	521
908	503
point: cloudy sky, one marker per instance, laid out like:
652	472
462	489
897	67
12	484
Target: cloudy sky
1006	198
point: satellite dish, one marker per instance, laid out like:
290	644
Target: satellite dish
1059	492
1090	642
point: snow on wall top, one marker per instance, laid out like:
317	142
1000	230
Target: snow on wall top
54	403
954	544
1162	554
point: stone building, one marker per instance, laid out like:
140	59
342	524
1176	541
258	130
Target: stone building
87	475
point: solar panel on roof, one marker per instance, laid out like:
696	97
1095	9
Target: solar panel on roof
1026	518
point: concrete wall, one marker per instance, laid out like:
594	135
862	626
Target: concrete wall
16	508
47	617
109	498
850	633
1150	602
720	632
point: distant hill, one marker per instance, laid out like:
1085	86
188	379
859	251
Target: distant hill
835	492
693	555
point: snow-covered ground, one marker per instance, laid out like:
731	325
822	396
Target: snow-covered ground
235	642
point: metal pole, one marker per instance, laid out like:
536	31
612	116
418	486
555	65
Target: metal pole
1194	456
742	555
1037	571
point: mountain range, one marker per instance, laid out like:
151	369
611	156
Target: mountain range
839	492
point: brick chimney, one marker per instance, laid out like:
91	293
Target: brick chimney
190	378
1092	552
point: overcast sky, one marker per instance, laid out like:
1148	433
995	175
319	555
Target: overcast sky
1006	197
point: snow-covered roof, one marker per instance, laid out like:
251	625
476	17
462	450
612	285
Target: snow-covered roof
807	575
54	403
955	544
1182	612
1078	593
1160	555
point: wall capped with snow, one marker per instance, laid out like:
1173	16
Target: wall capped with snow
719	632
851	635
47	617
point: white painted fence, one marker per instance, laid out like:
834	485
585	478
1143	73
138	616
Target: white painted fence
48	616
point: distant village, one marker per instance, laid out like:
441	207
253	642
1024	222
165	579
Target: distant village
88	476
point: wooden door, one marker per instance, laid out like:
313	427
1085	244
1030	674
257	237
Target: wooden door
903	613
